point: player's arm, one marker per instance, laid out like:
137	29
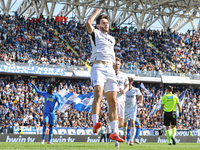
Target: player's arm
37	90
179	108
162	106
140	99
161	111
59	103
90	20
126	84
180	111
125	90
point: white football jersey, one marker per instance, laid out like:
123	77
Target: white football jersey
102	46
131	98
122	80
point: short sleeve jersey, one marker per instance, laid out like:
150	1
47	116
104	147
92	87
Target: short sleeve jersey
102	46
50	101
122	80
131	98
169	101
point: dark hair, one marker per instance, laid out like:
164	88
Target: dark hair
102	17
170	88
130	79
50	88
117	59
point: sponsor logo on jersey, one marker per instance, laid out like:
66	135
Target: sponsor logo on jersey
119	82
130	96
169	97
108	40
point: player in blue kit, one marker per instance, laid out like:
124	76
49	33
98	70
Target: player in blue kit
49	110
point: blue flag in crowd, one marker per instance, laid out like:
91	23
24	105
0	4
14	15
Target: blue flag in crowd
150	94
81	102
85	103
156	107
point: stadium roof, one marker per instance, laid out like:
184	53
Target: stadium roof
142	13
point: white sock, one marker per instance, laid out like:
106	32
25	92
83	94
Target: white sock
132	133
114	126
124	129
95	118
116	142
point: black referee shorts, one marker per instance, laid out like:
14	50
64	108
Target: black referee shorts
169	117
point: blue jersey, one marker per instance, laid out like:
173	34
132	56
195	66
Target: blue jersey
50	101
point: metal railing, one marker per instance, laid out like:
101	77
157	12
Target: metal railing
143	73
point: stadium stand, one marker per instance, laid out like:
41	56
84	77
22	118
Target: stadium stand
45	41
21	106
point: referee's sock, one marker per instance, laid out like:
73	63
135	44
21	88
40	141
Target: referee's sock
44	132
168	136
173	132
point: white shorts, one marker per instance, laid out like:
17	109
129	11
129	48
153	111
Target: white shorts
121	105
105	76
120	109
130	114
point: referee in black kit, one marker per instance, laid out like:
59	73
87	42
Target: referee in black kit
169	101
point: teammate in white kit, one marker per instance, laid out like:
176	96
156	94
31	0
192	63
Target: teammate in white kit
132	96
123	86
102	73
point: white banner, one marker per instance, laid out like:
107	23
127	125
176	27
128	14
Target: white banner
80	73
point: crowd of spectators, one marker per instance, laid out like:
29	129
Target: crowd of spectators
190	107
181	49
44	41
34	41
20	105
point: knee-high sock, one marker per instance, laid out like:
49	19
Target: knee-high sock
128	135
50	134
168	136
137	133
44	132
114	126
95	118
132	133
173	132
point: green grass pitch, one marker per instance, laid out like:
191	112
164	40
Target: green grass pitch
97	146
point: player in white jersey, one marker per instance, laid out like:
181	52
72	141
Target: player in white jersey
103	76
123	86
132	96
